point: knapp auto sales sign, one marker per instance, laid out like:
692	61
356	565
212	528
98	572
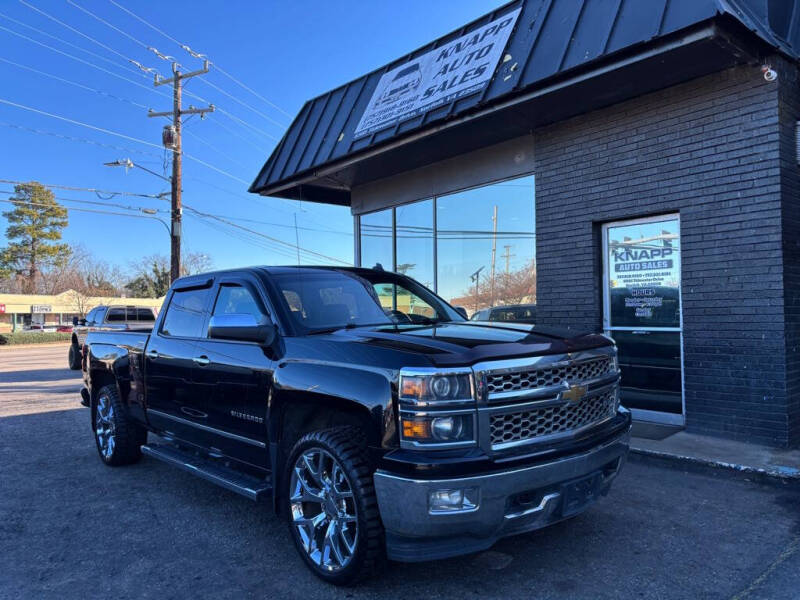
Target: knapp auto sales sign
458	68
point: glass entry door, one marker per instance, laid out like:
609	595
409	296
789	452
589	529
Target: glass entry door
642	312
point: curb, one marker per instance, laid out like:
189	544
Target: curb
776	476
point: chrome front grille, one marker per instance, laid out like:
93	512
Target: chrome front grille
511	428
523	380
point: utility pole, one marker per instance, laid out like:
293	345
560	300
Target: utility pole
494	254
476	277
507	255
172	139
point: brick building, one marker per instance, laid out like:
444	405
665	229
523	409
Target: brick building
634	164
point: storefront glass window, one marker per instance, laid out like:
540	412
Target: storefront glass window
376	239
415	241
486	245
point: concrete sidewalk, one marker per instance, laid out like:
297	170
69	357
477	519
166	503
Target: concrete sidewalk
750	461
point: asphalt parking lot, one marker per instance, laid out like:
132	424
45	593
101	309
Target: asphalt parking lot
73	528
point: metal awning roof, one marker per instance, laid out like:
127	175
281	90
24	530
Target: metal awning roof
322	155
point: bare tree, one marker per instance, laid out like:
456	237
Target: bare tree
515	287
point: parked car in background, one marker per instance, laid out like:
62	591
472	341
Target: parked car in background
104	318
365	409
519	313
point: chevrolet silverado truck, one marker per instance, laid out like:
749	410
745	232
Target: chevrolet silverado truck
106	318
364	409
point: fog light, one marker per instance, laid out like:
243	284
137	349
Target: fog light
454	500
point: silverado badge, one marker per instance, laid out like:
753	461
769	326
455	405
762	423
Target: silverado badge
574	393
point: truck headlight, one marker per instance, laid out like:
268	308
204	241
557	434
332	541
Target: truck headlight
437	408
423	387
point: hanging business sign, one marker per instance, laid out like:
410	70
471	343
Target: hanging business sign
459	68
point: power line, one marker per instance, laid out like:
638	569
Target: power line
86	62
237	120
74	83
121	135
146	47
187	49
80	33
255	110
87	210
94	202
76	139
273	239
241	236
74	122
238	135
80	189
106	23
65	42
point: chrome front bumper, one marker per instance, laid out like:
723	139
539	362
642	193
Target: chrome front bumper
511	502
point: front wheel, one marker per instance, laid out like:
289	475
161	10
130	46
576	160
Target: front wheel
118	438
333	510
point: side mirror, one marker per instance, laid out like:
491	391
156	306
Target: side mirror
242	327
462	311
74	321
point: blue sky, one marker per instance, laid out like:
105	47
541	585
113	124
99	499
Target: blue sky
286	51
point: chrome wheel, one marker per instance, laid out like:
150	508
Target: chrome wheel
104	426
324	512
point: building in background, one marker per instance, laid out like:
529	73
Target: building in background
24	311
629	167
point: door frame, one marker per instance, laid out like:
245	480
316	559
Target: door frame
638	413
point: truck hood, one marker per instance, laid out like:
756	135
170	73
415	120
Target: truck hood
450	344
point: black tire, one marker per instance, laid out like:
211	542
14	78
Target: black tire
346	446
74	357
117	437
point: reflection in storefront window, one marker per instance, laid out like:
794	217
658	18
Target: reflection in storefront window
376	239
415	241
486	245
483	246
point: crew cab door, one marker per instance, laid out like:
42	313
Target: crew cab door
235	377
173	404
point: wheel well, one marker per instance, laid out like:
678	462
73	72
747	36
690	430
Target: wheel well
101	379
299	418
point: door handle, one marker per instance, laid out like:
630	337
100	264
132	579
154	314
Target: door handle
201	360
152	354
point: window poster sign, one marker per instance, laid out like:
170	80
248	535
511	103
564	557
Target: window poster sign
461	67
644	274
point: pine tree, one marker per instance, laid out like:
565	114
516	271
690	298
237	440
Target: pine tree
34	226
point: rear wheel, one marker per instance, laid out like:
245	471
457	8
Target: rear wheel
333	510
74	356
117	436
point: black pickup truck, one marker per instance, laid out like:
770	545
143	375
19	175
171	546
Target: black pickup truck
365	409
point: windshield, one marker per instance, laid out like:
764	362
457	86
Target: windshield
318	300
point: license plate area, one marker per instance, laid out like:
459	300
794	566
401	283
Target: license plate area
579	493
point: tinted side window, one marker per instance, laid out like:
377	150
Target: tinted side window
186	313
236	300
144	314
116	315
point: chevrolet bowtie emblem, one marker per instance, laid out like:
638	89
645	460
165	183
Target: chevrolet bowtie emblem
574	393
